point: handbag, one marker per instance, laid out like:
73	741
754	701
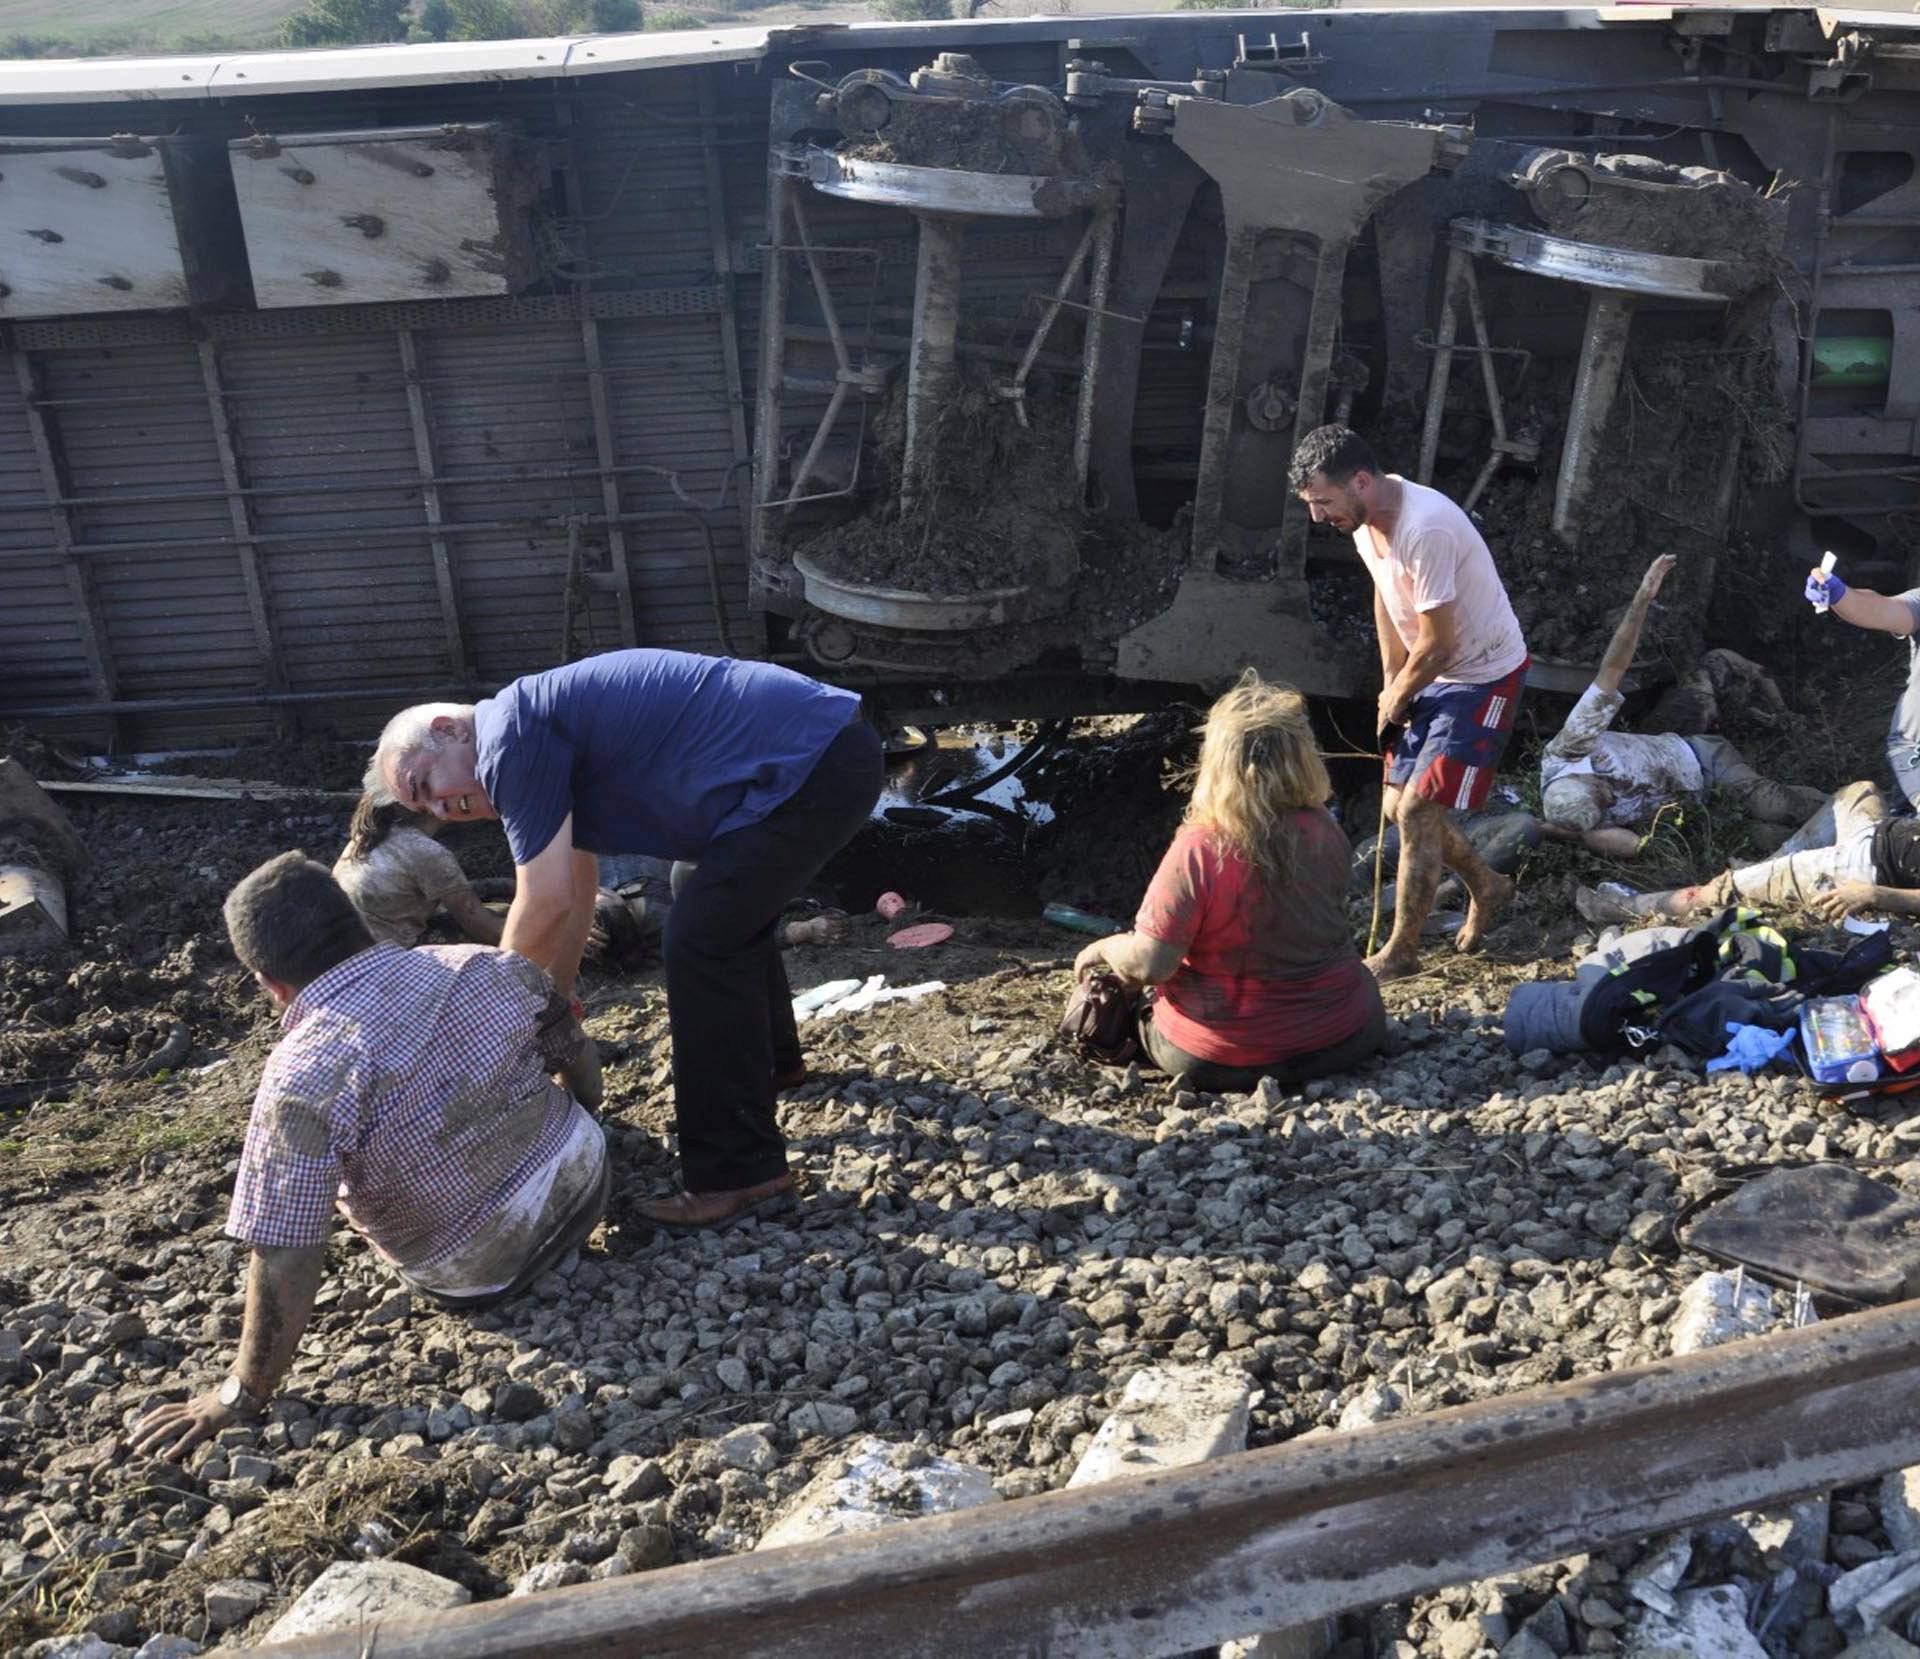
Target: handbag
1102	1019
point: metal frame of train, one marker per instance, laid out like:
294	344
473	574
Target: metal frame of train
342	379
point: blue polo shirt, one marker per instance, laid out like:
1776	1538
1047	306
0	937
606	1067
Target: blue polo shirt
651	751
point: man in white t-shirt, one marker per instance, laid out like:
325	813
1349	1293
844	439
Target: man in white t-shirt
1602	788
1453	664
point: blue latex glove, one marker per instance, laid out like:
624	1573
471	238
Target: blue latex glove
1752	1047
1824	587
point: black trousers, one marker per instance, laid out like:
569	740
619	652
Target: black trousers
728	1003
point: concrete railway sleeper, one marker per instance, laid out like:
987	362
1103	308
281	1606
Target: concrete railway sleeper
1268	1539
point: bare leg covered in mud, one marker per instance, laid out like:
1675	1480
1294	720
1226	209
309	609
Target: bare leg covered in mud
1431	844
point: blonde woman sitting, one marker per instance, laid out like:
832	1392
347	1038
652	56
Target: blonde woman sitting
1244	928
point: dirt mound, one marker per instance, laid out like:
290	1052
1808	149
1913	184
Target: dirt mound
976	136
148	956
1716	217
1660	486
322	761
997	507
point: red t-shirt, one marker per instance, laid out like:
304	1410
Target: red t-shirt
1263	976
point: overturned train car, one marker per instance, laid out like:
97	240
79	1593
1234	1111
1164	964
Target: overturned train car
961	362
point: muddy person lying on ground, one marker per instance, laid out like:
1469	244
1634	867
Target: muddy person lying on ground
1601	788
413	1084
1453	664
1244	928
758	773
398	875
1871	862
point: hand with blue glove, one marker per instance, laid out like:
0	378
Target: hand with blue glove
1824	589
1753	1047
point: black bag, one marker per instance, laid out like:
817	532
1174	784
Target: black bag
1845	1237
1102	1019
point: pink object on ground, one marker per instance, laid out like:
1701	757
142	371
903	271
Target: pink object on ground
925	933
889	905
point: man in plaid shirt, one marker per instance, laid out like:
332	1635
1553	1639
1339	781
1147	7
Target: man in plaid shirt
413	1088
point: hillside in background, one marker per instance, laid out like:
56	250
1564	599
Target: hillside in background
149	25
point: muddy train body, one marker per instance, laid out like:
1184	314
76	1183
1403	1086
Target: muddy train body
959	362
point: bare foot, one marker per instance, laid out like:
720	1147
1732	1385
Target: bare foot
1387	965
1484	911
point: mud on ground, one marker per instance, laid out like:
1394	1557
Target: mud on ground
1659	486
996	508
990	1226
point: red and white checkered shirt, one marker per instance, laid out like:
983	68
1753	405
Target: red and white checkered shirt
408	1084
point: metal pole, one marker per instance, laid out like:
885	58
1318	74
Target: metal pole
768	527
821	433
1442	361
603	439
936	326
1602	354
1095	338
443	580
1049	314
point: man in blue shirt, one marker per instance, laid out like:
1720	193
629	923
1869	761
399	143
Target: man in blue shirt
754	772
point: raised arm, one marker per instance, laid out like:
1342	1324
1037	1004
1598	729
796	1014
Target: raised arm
1626	637
281	1283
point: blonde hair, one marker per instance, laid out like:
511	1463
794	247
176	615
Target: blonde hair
1258	762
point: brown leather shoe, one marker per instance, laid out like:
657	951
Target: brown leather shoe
692	1211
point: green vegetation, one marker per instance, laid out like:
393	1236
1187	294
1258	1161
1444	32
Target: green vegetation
346	22
101	28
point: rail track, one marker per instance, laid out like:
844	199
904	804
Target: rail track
1266	1540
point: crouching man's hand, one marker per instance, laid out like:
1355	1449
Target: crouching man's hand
172	1430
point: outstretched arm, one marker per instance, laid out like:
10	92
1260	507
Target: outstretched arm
1138	958
473	918
1881	612
1626	637
281	1283
1850	897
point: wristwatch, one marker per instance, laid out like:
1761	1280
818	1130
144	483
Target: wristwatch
241	1400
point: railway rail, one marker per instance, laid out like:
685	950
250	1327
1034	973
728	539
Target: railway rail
1265	1540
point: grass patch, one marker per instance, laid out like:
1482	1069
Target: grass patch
113	1126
